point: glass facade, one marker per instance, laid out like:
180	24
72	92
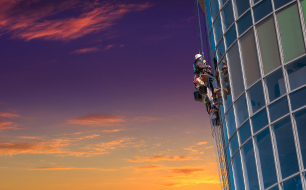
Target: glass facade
259	48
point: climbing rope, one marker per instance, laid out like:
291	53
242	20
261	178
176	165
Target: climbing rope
199	30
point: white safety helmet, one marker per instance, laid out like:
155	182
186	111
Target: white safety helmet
198	56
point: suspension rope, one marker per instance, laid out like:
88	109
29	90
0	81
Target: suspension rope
197	12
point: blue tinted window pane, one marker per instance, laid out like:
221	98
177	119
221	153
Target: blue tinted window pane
208	14
222	2
300	119
228	154
234	144
238	172
244	22
266	158
222	112
279	109
262	9
296	72
293	184
242	6
212	41
276	85
249	160
298	99
245	132
218	29
275	188
235	70
231	177
259	120
241	110
279	3
221	49
228	15
227	97
255	1
256	97
230	36
214	8
231	122
286	147
225	133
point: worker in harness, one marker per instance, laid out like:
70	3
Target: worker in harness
203	74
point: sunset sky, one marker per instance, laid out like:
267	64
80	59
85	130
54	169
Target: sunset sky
99	95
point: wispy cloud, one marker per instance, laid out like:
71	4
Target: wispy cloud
86	50
8	115
8	125
35	21
157	158
96	120
69	168
201	143
186	171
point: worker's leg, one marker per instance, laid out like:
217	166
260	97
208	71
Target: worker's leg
214	84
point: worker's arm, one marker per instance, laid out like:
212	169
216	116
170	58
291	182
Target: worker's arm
202	66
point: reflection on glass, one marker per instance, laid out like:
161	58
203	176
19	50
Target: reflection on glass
221	49
231	122
238	172
279	3
225	133
235	70
300	119
218	29
249	57
214	8
279	109
227	98
286	147
259	120
255	1
293	184
222	112
242	6
291	32
244	22
245	132
250	165
256	97
231	36
234	143
228	154
241	110
268	45
266	158
275	188
222	2
228	15
296	73
212	41
276	85
298	99
231	177
208	14
304	9
262	9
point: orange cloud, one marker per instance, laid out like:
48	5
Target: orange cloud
69	168
115	144
33	22
8	115
8	125
112	131
97	120
201	143
149	166
86	50
157	158
186	171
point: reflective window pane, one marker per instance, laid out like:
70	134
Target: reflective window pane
225	133
234	144
235	70
275	188
268	45
279	3
300	119
293	184
228	154
304	9
231	36
286	147
250	165
244	22
296	73
249	57
291	33
228	15
231	124
255	1
279	109
259	120
242	6
238	172
218	29
241	110
298	99
266	158
245	132
221	49
276	85
231	177
212	41
222	2
256	97
214	8
208	14
227	97
262	9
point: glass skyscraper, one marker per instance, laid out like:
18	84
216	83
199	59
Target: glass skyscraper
257	50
